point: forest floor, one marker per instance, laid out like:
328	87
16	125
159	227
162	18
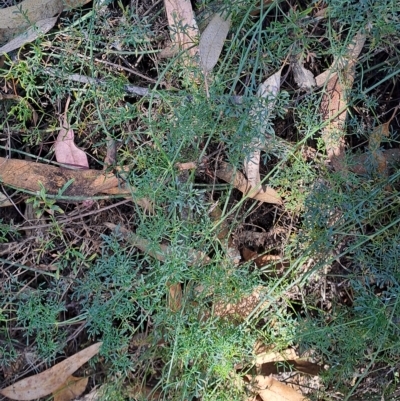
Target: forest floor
199	201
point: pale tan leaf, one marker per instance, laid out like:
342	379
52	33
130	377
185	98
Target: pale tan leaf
183	26
269	89
334	104
72	387
30	35
275	356
304	78
16	19
50	380
243	308
227	173
212	41
4	200
270	389
66	151
252	165
28	175
343	62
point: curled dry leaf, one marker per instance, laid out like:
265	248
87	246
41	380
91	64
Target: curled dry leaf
342	62
72	387
50	380
227	173
146	246
212	41
4	200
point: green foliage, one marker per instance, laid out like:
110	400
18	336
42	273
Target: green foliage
38	313
119	292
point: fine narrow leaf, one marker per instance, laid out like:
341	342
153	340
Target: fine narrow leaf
212	41
50	380
238	180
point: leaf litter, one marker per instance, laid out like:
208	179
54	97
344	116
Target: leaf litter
50	380
72	181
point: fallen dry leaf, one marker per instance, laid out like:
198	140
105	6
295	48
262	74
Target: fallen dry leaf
275	356
333	106
269	90
227	173
67	153
183	26
241	309
270	389
224	236
212	41
146	246
27	175
72	387
304	78
50	380
174	297
31	34
16	19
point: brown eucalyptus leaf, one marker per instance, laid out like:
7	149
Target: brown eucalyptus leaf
50	380
266	194
174	298
212	41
